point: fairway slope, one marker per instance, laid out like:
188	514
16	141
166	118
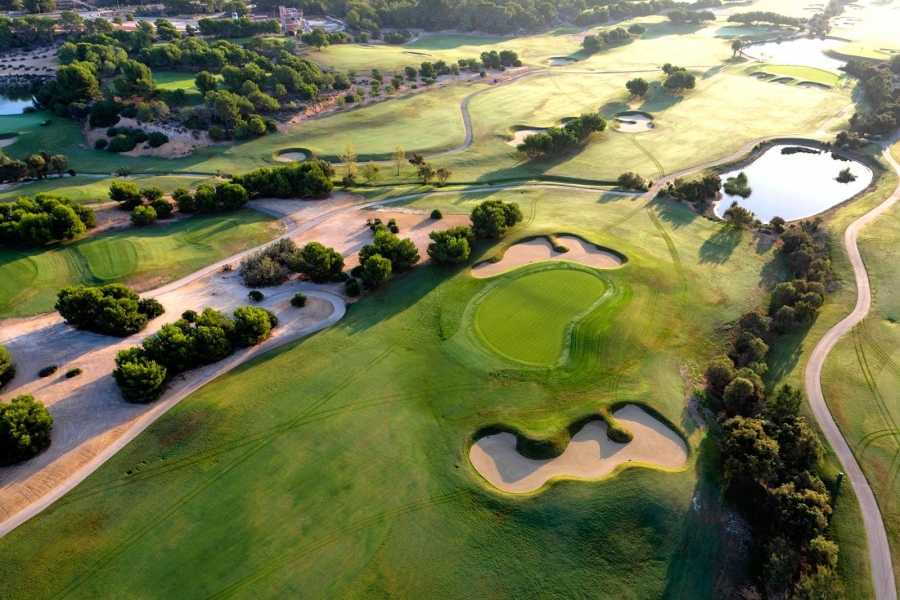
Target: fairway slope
590	454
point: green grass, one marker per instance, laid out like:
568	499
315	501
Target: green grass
528	318
337	465
801	73
863	51
137	257
91	190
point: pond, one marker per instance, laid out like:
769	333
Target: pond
796	185
806	52
13	104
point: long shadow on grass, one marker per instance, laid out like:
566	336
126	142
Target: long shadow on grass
534	168
720	245
659	99
785	356
676	215
712	551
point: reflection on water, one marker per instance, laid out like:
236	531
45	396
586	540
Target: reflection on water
807	52
796	185
13	104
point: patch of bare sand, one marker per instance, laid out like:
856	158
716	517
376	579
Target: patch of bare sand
8	141
89	414
539	249
299	212
291	157
180	144
520	136
589	455
350	232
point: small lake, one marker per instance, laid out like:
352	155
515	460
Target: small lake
13	105
806	52
796	186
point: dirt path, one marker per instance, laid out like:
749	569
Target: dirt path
879	549
589	455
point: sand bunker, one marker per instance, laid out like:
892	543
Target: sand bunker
589	455
633	122
291	157
8	141
783	80
520	136
561	62
814	85
539	249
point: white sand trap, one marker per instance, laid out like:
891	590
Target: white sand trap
520	136
814	85
635	122
539	249
590	454
291	157
561	62
8	141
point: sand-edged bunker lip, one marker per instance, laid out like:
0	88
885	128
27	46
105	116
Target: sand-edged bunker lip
540	249
293	155
589	455
634	121
520	135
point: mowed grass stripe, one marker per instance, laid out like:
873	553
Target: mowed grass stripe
527	318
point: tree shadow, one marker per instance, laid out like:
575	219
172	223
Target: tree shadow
666	29
611	109
720	246
659	99
784	357
675	214
764	243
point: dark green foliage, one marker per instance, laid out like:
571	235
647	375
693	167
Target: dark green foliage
205	201
637	86
375	270
296	179
184	199
156	139
615	430
48	371
269	266
451	246
402	253
125	193
100	144
75	372
317	262
143	215
759	16
299	300
719	374
251	325
7	366
695	191
738	216
111	309
604	39
437	214
493	218
121	143
231	196
352	287
43	219
25	428
679	81
631	181
738	186
140	379
162	207
557	139
777	224
256	295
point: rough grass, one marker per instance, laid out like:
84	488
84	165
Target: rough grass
527	318
138	257
93	190
337	466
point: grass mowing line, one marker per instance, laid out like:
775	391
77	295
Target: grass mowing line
659	167
204	485
514	318
360	525
625	217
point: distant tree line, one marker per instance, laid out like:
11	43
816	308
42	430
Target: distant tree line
308	179
884	118
143	372
43	219
755	17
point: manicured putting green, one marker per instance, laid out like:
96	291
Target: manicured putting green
527	318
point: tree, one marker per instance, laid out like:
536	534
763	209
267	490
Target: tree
426	173
371	172
737	45
740	397
451	246
25	428
738	216
492	218
637	86
59	164
206	82
7	366
631	181
151	193
820	584
679	81
39	6
348	158
143	215
443	174
172	347
136	80
205	200
398	157
375	270
751	456
719	374
638	30
140	379
125	193
112	309
317	262
402	253
738	186
251	325
231	196
316	37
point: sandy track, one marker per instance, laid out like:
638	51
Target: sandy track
539	249
589	455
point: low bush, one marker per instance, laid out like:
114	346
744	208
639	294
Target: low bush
352	287
317	262
157	139
269	266
256	295
111	309
451	246
73	373
121	143
48	371
25	426
101	144
437	214
492	218
143	215
7	366
162	207
299	300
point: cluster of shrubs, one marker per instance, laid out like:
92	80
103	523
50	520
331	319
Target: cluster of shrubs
680	16
603	39
386	254
633	181
35	166
884	118
43	219
111	309
143	372
269	266
557	139
125	139
7	366
493	218
678	78
207	199
308	179
451	246
25	426
400	36
700	190
754	17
